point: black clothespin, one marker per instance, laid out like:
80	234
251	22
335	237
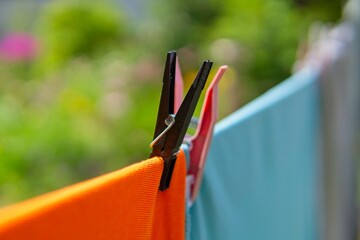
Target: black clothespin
170	129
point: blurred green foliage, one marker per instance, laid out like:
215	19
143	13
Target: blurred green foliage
78	28
87	104
265	34
84	120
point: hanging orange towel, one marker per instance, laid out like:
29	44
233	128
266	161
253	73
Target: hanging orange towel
125	204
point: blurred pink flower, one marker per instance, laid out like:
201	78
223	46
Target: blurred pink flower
18	47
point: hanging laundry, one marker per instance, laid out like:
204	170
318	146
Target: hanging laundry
260	179
125	204
337	51
143	201
341	90
340	55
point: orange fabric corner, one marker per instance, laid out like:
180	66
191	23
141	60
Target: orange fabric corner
125	204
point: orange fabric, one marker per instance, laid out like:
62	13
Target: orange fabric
125	204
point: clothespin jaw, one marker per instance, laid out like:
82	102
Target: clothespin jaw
200	142
169	138
166	105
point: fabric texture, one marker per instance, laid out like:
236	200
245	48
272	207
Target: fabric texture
337	51
260	177
125	204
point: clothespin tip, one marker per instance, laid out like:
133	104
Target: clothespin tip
169	136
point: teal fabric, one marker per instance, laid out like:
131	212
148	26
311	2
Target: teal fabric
260	179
